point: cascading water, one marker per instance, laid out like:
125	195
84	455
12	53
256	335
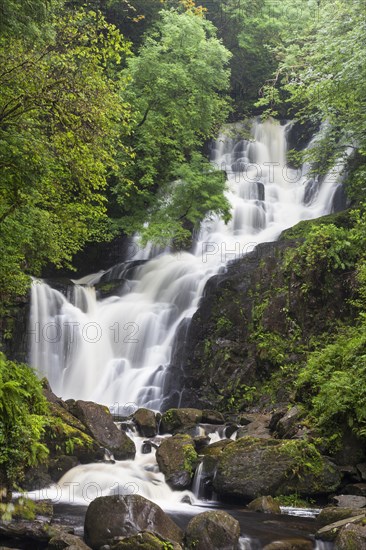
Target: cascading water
116	351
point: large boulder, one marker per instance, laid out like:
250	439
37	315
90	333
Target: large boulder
290	544
145	421
125	516
351	537
100	425
251	467
289	424
179	420
65	541
350	501
146	541
177	459
332	514
216	530
330	532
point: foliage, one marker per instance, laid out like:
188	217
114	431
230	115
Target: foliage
23	411
174	86
332	384
60	112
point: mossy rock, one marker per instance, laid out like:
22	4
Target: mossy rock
216	530
267	505
145	421
146	541
351	537
179	420
251	467
177	459
332	514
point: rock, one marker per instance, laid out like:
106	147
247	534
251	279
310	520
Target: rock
59	466
355	489
26	531
350	501
215	449
125	516
216	530
65	540
28	509
200	442
36	478
212	417
290	544
362	469
99	423
276	416
350	474
179	420
230	430
177	459
146	448
250	467
258	427
332	514
145	421
329	532
288	425
145	541
265	504
351	537
351	451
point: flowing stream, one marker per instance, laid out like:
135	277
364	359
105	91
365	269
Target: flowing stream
117	350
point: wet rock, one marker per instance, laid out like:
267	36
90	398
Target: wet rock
145	421
351	537
200	442
146	448
332	514
330	532
59	466
216	530
177	459
146	541
230	430
36	478
67	541
361	468
26	531
179	420
266	505
352	450
212	417
288	425
125	516
250	467
350	501
290	544
99	423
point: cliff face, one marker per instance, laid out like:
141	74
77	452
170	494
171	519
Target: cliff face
254	329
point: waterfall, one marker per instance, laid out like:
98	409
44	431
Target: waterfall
116	350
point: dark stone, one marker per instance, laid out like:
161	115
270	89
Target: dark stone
355	489
125	516
146	448
216	530
99	423
200	442
59	466
179	420
332	514
212	417
146	422
330	532
361	468
177	459
288	425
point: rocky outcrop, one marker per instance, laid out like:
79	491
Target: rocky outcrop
125	516
177	459
100	425
351	537
216	530
330	532
65	541
251	467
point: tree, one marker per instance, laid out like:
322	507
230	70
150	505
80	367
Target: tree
175	87
61	112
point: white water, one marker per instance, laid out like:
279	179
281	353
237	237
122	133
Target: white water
116	351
